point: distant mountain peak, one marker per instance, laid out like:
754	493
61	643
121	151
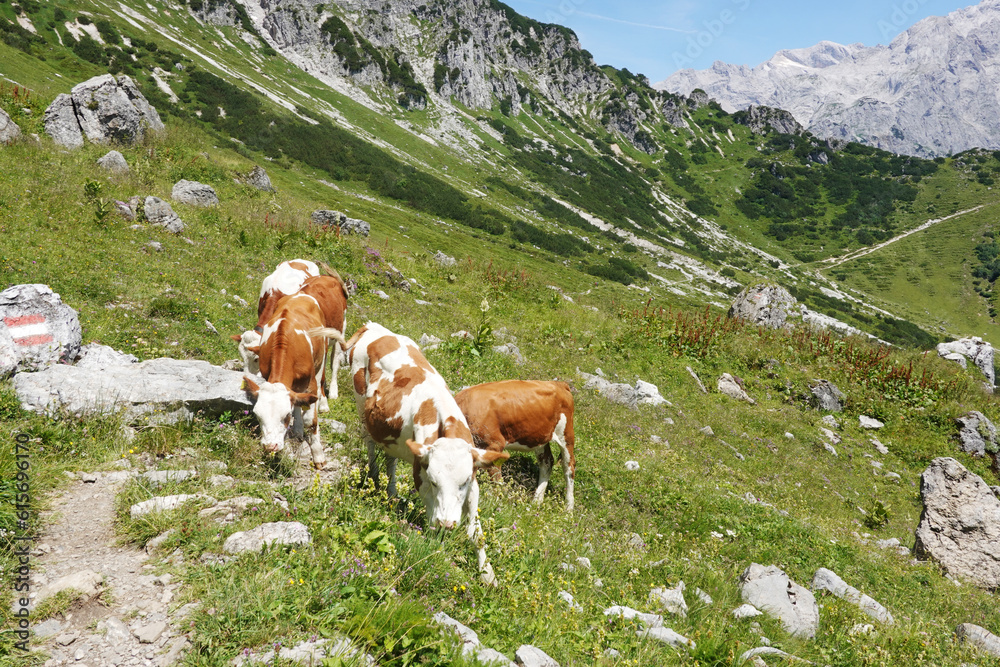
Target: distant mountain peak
930	92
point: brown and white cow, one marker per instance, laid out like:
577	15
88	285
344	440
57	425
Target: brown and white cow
524	416
292	358
286	280
410	414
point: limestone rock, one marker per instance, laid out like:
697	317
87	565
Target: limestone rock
511	350
827	580
114	162
746	611
259	179
279	532
194	193
166	503
762	120
87	582
976	350
770	590
62	124
960	524
767	305
325	218
159	477
104	109
161	214
470	639
227	511
148	634
753	654
9	130
95	355
643	393
733	388
978	436
158	391
870	423
43	329
9	355
980	637
670	600
443	259
530	656
667	636
649	620
827	396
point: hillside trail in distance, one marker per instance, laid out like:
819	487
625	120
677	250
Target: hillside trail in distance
857	254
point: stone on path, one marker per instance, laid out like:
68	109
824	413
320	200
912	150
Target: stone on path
148	634
87	582
278	532
827	580
960	524
160	477
166	503
770	590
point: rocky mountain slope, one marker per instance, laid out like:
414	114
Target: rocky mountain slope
930	92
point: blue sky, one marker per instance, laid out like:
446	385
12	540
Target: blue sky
657	38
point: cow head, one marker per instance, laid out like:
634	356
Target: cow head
247	340
445	475
274	406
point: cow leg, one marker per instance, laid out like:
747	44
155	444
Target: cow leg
298	430
563	436
372	464
390	470
476	536
545	462
311	421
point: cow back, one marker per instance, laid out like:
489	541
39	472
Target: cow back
331	296
287	279
520	411
288	355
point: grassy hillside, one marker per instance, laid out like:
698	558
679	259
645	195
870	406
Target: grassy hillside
703	513
371	573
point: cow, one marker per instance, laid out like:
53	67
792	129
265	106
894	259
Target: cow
292	360
410	414
286	280
524	416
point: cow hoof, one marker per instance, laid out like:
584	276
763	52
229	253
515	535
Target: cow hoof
319	465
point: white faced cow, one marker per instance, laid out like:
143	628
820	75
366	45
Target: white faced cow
524	416
408	411
292	359
286	280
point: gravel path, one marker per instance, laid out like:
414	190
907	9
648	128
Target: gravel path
128	622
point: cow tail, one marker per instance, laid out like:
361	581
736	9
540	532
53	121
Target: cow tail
330	334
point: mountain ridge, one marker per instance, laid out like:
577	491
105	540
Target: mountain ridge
927	93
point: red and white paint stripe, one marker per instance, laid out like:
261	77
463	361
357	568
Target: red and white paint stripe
28	330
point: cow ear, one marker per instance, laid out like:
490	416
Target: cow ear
418	451
255	349
302	400
237	337
250	386
483	458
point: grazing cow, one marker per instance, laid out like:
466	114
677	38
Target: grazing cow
408	411
286	280
524	417
292	357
